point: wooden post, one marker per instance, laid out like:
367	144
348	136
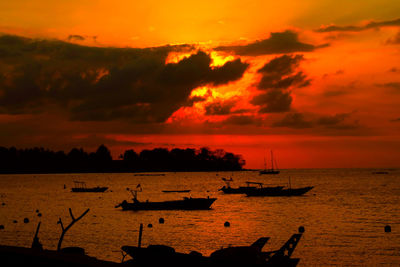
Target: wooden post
35	243
140	235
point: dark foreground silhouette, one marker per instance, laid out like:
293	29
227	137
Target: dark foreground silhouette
160	255
152	256
40	160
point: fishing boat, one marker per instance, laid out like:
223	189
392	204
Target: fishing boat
244	189
271	170
187	203
283	191
80	187
380	172
176	191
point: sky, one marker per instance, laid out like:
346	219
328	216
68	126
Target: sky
316	81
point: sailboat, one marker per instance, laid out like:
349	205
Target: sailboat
272	170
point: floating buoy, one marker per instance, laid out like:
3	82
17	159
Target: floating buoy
161	220
15	221
3	204
227	224
26	220
37	211
150	225
1	227
39	214
301	229
388	229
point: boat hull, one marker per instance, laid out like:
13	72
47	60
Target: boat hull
176	191
239	190
270	172
287	192
89	190
185	204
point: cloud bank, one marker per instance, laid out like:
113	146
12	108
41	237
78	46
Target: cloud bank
102	84
277	43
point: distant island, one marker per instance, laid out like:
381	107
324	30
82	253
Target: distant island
41	160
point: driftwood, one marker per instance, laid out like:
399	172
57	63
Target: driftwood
64	230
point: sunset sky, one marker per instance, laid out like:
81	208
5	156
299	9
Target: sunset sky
316	81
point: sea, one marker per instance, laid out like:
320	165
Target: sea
344	215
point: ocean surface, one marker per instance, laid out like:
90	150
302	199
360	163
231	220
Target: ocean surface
344	215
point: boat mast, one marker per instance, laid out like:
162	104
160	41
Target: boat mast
272	161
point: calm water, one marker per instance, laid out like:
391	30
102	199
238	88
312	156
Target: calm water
344	215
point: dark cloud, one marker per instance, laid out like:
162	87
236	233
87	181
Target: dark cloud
278	42
300	121
228	72
338	72
280	72
242	120
219	108
394	86
278	76
395	40
335	93
394	69
294	120
75	37
352	28
396	120
100	84
332	120
272	101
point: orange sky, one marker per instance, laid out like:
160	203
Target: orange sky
316	81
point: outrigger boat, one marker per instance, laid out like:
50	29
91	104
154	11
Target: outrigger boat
245	189
80	187
187	203
160	255
176	191
285	192
282	191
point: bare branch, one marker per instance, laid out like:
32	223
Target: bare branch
60	222
69	226
72	216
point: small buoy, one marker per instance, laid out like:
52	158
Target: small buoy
15	221
3	204
37	211
227	224
301	229
388	229
161	220
26	220
1	227
150	225
39	214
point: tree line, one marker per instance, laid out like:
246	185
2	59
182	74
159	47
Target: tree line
41	160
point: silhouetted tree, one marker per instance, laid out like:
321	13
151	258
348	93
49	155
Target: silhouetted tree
40	160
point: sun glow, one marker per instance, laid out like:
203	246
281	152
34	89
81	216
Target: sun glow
219	59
